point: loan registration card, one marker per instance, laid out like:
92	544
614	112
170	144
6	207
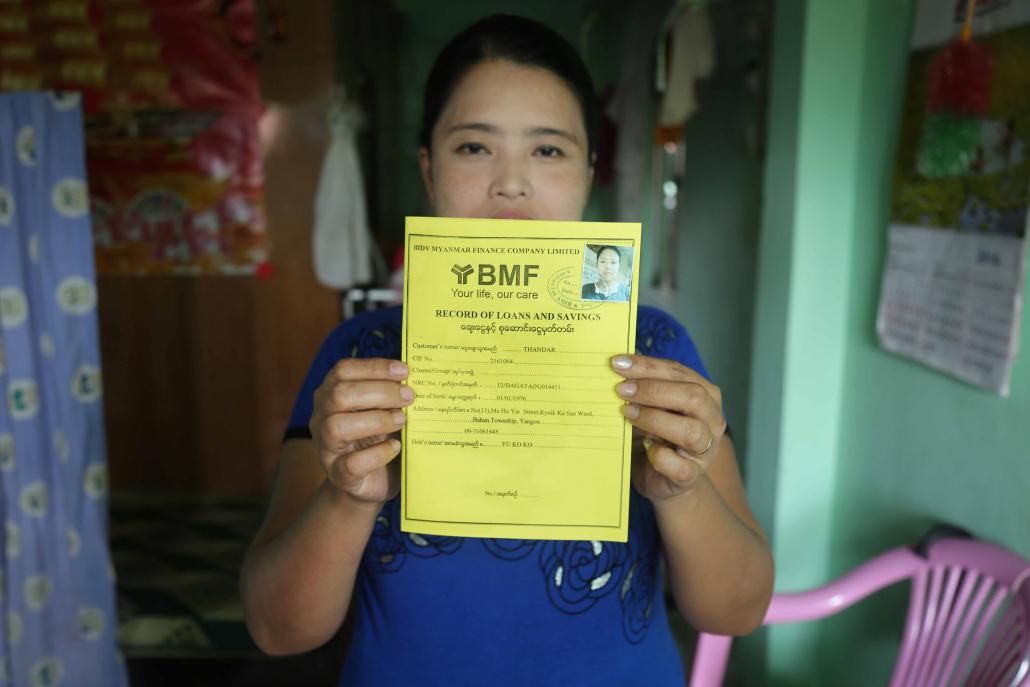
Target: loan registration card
516	430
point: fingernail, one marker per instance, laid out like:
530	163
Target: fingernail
626	389
407	394
395	446
631	411
398	417
398	368
648	443
622	362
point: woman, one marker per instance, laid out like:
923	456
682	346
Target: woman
508	133
608	287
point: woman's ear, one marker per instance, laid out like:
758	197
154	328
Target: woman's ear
425	163
590	169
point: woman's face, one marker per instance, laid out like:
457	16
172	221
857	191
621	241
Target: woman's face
608	265
509	143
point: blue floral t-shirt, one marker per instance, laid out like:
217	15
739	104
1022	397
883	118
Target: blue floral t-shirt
434	610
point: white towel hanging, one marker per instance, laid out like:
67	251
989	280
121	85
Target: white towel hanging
690	42
341	243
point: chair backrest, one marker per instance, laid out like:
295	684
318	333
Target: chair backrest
968	620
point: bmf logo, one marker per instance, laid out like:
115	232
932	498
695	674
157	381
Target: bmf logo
462	272
501	275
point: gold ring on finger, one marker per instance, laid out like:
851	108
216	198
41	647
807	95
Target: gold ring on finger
703	451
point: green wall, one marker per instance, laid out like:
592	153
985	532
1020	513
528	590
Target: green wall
803	282
918	447
867	449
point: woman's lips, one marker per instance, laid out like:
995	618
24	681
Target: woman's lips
510	214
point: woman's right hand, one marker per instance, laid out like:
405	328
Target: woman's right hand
355	424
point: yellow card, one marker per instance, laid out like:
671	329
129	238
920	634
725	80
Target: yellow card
517	431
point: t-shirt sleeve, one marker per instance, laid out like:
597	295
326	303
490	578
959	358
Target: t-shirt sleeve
373	334
331	351
661	336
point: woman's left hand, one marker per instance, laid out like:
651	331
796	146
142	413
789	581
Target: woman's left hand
679	414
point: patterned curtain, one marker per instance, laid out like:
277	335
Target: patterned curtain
56	590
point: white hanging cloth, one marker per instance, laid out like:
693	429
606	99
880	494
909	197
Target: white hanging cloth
341	242
691	56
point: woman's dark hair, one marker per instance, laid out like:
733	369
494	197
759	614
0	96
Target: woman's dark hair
507	37
601	249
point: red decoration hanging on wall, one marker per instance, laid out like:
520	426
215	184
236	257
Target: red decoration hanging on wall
959	94
960	76
170	93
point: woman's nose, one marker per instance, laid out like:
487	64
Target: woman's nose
510	181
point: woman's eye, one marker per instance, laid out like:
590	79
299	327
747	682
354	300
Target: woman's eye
471	149
549	151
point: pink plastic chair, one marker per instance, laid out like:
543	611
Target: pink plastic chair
968	617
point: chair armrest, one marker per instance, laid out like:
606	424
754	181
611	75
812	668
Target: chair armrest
892	566
875	574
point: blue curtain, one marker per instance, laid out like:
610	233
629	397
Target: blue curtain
57	591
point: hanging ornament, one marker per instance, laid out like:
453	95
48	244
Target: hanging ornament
960	75
959	95
949	145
